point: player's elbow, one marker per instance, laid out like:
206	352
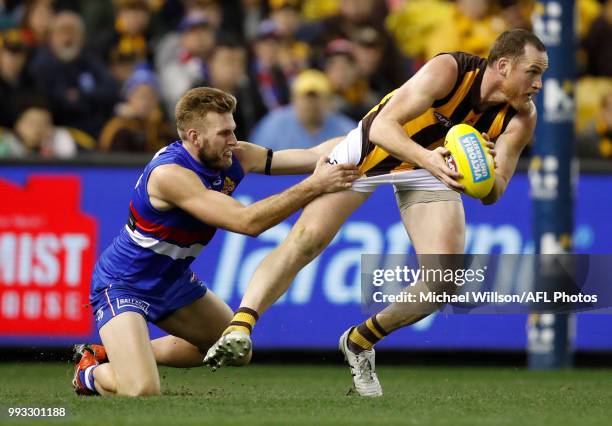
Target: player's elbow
488	200
499	187
252	230
251	225
493	196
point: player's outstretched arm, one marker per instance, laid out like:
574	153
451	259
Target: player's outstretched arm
432	82
508	148
174	186
253	158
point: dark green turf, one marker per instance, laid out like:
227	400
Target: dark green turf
309	395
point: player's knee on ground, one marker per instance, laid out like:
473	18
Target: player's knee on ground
307	241
143	387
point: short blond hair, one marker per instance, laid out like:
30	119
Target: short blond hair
197	102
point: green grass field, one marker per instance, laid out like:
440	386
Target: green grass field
307	395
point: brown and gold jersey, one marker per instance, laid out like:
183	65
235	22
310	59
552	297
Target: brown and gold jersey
429	129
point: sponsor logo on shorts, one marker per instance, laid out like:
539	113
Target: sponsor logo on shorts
99	314
122	302
476	157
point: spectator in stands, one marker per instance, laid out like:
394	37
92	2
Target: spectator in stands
211	10
15	82
35	134
130	30
352	93
252	14
124	60
36	20
229	72
10	146
369	49
307	121
98	16
8	18
294	54
138	124
598	43
188	67
266	69
517	13
471	27
194	10
78	86
604	127
596	140
352	17
286	15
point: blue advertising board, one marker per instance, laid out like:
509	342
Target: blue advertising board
325	298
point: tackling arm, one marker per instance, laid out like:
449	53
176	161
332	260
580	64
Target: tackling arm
172	186
286	162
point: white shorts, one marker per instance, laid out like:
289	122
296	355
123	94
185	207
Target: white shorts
349	151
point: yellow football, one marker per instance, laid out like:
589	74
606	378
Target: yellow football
470	157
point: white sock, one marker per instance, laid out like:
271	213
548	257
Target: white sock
89	378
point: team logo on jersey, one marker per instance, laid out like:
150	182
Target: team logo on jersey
443	120
122	302
228	186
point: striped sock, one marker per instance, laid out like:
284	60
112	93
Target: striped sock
365	335
244	320
87	378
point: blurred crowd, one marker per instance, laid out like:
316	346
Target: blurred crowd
105	75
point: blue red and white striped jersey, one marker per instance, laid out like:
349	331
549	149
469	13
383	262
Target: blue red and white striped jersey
156	248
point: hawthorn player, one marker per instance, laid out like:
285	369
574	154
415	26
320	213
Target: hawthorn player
400	142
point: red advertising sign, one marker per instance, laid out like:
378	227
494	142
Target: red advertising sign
47	248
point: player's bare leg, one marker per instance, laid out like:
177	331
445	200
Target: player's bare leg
131	370
314	230
194	328
434	228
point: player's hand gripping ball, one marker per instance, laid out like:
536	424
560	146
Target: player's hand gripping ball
470	157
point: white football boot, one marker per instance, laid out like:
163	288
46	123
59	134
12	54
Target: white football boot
232	349
363	368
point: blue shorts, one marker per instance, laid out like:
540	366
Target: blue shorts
116	298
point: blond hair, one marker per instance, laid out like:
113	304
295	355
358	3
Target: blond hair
197	102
